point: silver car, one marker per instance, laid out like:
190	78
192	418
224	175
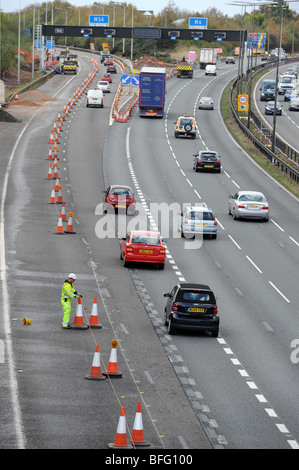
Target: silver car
197	220
249	205
104	86
206	102
294	104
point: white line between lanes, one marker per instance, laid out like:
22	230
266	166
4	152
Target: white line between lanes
279	292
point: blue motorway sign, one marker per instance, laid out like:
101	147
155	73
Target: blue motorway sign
198	23
98	20
125	79
135	80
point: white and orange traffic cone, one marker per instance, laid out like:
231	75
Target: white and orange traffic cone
112	369
63	214
55	169
50	173
16	98
50	154
96	373
52	198
59	197
137	437
51	139
78	319
69	228
59	229
94	318
121	434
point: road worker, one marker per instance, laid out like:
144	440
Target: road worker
68	293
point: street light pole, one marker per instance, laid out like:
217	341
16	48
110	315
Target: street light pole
277	76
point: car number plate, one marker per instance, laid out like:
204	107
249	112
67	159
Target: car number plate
121	206
208	166
145	251
196	309
200	225
254	207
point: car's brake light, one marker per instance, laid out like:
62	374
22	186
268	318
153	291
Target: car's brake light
215	309
241	207
215	222
186	220
198	159
265	207
129	249
175	306
162	250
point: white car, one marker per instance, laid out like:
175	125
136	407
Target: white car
196	220
286	82
248	205
206	102
294	104
103	85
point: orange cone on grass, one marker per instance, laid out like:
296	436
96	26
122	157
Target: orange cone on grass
94	318
69	228
112	369
78	322
96	373
121	434
137	434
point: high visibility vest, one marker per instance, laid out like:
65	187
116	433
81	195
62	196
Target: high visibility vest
68	291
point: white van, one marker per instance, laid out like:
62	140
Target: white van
95	98
211	69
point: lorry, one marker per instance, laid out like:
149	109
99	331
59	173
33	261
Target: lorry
207	57
152	89
184	70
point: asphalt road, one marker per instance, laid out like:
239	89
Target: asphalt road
239	390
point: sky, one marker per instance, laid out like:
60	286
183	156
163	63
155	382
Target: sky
155	5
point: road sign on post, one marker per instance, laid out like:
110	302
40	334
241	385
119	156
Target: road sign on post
243	103
198	23
125	79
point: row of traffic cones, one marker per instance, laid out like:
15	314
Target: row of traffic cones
78	322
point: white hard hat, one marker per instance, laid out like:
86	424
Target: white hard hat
72	276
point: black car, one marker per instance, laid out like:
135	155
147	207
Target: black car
270	106
207	160
192	307
111	69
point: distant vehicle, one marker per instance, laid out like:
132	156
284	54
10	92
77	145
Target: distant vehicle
120	197
293	71
248	205
207	56
184	70
267	90
206	102
152	89
108	61
140	246
211	70
106	77
191	307
94	98
185	126
294	104
290	94
196	220
111	69
285	82
270	106
264	57
103	85
69	66
207	160
230	60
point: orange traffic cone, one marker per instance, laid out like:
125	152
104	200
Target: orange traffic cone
16	98
50	154
51	139
137	434
59	197
95	373
69	228
55	173
52	198
56	186
63	214
50	173
78	320
59	230
94	320
121	435
112	370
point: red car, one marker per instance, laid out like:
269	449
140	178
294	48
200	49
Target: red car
143	246
120	197
106	77
108	62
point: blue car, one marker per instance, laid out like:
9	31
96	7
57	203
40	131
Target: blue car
269	108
